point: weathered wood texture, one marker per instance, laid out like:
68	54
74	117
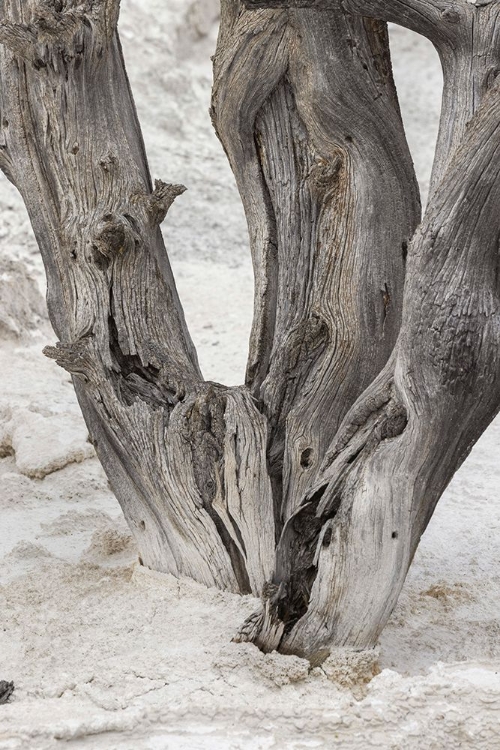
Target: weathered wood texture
186	459
311	484
305	105
403	440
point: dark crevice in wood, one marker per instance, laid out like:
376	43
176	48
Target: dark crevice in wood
306	458
355	456
386	300
237	559
297	551
404	250
205	432
131	379
239	536
259	368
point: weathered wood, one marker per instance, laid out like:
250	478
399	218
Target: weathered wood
185	458
465	36
343	556
381	483
312	484
305	105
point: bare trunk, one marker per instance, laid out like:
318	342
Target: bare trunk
311	484
344	555
305	105
185	458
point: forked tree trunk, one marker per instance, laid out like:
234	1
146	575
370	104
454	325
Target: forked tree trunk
402	441
306	108
312	484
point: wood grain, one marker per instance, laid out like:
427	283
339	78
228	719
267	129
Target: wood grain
374	351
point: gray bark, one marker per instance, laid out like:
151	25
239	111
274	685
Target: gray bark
185	458
403	440
312	484
305	105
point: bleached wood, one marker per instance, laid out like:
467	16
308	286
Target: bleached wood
305	105
176	449
370	374
342	559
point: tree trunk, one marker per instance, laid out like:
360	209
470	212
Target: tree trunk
185	458
311	484
402	441
305	106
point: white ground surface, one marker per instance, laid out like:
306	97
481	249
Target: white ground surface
108	655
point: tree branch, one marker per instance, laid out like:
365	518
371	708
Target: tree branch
186	459
439	20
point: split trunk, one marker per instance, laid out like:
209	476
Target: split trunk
374	351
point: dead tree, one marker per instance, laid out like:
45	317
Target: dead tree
375	345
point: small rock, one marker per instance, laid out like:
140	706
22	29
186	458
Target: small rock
352	669
6	690
43	445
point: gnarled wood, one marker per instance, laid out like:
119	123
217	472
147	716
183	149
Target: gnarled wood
305	105
312	484
343	556
177	450
380	484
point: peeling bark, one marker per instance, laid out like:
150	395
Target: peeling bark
312	484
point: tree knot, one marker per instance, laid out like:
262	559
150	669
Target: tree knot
325	174
115	235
